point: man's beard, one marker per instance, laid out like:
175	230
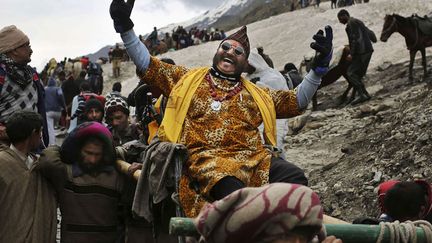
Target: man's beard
88	168
120	128
238	68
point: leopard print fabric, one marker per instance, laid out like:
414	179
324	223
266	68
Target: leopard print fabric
220	143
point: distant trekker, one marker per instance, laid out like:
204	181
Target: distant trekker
117	55
361	50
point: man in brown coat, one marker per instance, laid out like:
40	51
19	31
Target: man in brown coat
27	201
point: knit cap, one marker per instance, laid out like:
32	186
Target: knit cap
116	103
10	38
93	103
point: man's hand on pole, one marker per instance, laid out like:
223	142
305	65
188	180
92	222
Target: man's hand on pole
323	47
120	12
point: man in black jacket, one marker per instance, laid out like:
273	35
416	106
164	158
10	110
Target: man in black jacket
360	42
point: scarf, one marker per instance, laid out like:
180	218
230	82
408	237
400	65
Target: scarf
181	96
21	74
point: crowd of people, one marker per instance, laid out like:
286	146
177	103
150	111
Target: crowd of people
334	3
182	38
224	124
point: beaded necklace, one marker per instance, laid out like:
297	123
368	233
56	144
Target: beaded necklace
216	105
215	84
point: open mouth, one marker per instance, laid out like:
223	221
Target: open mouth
228	60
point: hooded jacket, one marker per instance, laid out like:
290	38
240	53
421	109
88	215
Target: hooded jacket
265	75
268	77
54	99
88	201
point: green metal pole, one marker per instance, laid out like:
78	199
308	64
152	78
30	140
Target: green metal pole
350	233
182	226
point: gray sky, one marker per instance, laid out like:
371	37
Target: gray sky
69	28
206	4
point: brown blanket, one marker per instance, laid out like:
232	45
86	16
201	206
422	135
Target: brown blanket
27	202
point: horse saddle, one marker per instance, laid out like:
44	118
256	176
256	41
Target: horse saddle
424	23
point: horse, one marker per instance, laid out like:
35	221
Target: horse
415	40
334	73
157	49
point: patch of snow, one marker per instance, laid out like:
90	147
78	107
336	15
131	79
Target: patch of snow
286	37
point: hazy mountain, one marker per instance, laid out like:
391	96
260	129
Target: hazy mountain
103	52
234	13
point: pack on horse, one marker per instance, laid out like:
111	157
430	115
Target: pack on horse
160	48
338	69
417	32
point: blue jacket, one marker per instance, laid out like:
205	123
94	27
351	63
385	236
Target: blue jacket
54	99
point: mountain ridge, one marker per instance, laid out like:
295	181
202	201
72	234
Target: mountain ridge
229	15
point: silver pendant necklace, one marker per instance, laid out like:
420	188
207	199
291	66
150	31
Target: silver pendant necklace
216	105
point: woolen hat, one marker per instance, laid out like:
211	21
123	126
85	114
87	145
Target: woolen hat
93	103
242	38
70	149
10	38
116	103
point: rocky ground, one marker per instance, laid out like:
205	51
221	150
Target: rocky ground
348	150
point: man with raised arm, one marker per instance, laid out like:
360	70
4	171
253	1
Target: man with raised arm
215	113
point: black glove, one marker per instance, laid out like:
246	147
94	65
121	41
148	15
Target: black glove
120	12
324	50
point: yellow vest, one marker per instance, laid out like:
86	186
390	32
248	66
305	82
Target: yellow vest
181	96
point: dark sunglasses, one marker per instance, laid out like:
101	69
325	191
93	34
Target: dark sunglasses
238	50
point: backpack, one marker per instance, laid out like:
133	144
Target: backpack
94	69
95	77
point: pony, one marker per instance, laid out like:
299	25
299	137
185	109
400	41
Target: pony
415	40
157	49
336	71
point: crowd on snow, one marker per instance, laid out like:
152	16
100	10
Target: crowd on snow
217	123
182	38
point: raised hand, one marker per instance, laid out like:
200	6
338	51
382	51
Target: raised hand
120	12
323	46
